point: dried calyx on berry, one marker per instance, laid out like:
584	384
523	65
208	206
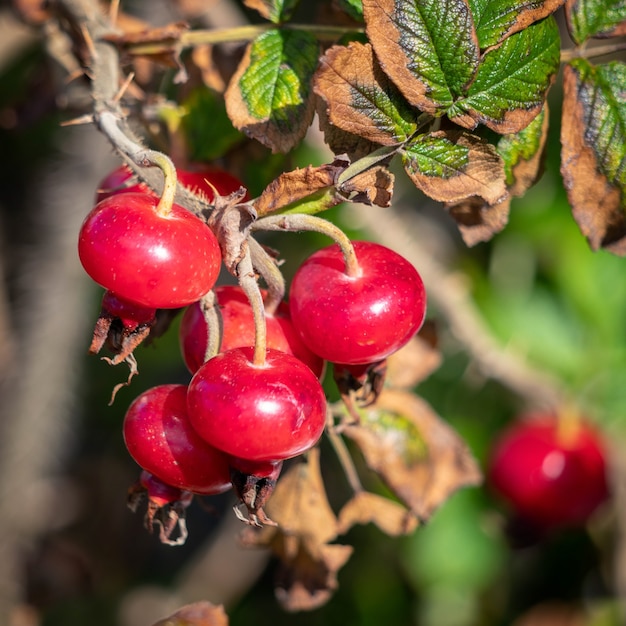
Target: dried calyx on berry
254	483
166	507
359	385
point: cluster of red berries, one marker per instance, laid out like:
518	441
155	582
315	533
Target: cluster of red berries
238	419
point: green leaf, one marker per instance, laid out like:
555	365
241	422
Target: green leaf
360	98
276	11
270	96
521	153
593	158
512	81
451	166
497	19
595	18
428	48
208	130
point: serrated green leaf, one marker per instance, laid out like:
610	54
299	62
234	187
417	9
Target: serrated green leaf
451	166
360	98
593	163
428	48
595	18
512	81
354	8
270	95
208	130
521	153
276	11
497	19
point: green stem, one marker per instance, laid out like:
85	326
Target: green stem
592	52
296	222
347	464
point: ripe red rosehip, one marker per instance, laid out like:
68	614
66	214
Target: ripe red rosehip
238	330
257	413
553	475
159	436
159	261
358	319
201	180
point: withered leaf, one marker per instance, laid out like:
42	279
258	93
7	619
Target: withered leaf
374	186
419	456
307	576
478	220
203	57
360	99
196	614
450	166
412	363
365	507
269	97
292	187
428	48
593	138
273	10
523	153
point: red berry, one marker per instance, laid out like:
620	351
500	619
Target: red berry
257	413
146	258
159	436
552	474
238	330
361	319
130	314
202	180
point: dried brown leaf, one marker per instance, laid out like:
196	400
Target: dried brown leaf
291	187
364	507
463	165
413	363
307	576
478	220
596	203
420	457
360	98
374	186
203	57
196	614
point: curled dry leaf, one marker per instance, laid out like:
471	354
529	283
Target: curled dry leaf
420	457
307	576
478	220
374	186
413	363
364	507
196	614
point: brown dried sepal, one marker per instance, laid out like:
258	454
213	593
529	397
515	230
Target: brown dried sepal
196	614
307	576
253	493
478	220
169	517
391	517
596	203
230	221
359	385
420	457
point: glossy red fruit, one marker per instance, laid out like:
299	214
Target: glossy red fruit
147	258
131	315
159	436
238	330
257	413
202	180
361	319
552	474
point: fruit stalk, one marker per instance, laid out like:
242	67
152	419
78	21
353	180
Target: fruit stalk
300	222
273	277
